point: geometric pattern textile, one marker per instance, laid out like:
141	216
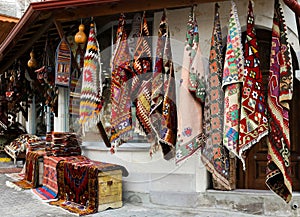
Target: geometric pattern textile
91	90
63	64
78	184
253	122
279	94
49	189
141	82
189	137
163	113
77	187
232	74
121	120
31	177
214	154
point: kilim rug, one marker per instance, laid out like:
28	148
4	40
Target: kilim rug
44	193
279	94
134	33
10	170
78	185
253	122
190	127
163	113
50	188
141	82
63	64
31	170
121	120
91	87
16	175
214	154
232	74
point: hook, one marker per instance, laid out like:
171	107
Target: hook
193	10
165	11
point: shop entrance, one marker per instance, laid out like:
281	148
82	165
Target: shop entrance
255	175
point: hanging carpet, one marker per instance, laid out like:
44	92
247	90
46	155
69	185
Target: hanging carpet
279	94
232	74
91	90
121	120
214	154
141	82
190	138
253	121
63	64
163	115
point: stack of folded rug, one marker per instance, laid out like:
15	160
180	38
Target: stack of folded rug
24	141
62	144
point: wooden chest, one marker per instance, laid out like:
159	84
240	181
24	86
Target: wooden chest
110	189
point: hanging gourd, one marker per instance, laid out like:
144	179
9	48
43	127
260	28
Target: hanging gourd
32	61
80	37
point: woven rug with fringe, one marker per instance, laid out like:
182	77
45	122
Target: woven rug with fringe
232	78
190	135
31	170
141	82
253	122
10	170
121	120
163	115
50	188
279	94
91	87
78	185
214	154
63	64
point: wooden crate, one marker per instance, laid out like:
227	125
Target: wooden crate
110	189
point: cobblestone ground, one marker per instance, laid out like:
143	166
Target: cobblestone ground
16	203
24	203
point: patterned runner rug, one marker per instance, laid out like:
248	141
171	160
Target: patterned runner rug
10	170
78	185
49	189
31	171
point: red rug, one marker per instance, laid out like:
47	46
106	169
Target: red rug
10	170
31	171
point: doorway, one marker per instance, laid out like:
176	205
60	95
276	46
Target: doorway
256	161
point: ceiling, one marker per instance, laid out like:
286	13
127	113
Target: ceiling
6	24
53	19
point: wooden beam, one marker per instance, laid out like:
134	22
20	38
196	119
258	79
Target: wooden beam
59	29
61	33
27	45
124	6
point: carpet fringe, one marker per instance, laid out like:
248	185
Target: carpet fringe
12	185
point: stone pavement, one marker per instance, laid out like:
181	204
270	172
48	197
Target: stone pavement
24	203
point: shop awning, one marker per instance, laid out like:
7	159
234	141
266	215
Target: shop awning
43	19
